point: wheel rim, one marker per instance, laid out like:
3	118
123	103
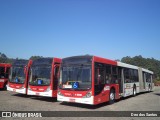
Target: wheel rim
112	96
134	92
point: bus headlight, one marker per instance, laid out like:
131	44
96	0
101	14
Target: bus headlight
29	88
22	87
17	87
48	89
59	93
88	95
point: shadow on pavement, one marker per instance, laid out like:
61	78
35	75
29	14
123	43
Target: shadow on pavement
2	89
99	105
157	94
21	95
46	99
85	105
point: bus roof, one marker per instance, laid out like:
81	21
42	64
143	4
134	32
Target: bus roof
126	65
87	59
42	61
104	60
133	67
77	59
146	70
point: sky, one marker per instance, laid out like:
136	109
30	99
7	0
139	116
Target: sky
61	28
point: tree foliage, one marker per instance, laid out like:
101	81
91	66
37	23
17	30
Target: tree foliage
5	59
35	57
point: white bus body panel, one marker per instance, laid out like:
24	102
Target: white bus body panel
144	86
21	90
47	94
76	100
126	65
128	89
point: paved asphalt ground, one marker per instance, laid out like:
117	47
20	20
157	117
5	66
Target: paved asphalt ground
11	101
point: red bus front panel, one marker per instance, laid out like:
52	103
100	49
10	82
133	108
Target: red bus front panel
3	82
4	74
19	88
75	96
24	65
50	89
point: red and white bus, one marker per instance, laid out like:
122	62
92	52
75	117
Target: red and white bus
18	81
44	75
94	80
4	75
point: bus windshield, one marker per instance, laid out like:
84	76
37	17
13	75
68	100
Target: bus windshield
75	77
17	75
40	75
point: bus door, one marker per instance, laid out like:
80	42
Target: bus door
7	71
152	82
121	80
144	80
99	78
148	81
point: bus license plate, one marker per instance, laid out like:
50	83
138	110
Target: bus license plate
37	93
71	100
14	90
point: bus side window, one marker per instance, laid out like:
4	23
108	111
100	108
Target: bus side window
126	75
108	74
99	78
102	75
119	74
114	75
131	71
148	77
99	74
136	79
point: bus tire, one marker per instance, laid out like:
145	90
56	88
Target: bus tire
111	96
134	91
5	86
149	88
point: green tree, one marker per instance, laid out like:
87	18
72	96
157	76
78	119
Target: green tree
35	57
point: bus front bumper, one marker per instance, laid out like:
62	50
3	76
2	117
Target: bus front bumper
76	100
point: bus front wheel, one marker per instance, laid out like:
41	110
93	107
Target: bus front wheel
149	88
134	91
111	97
